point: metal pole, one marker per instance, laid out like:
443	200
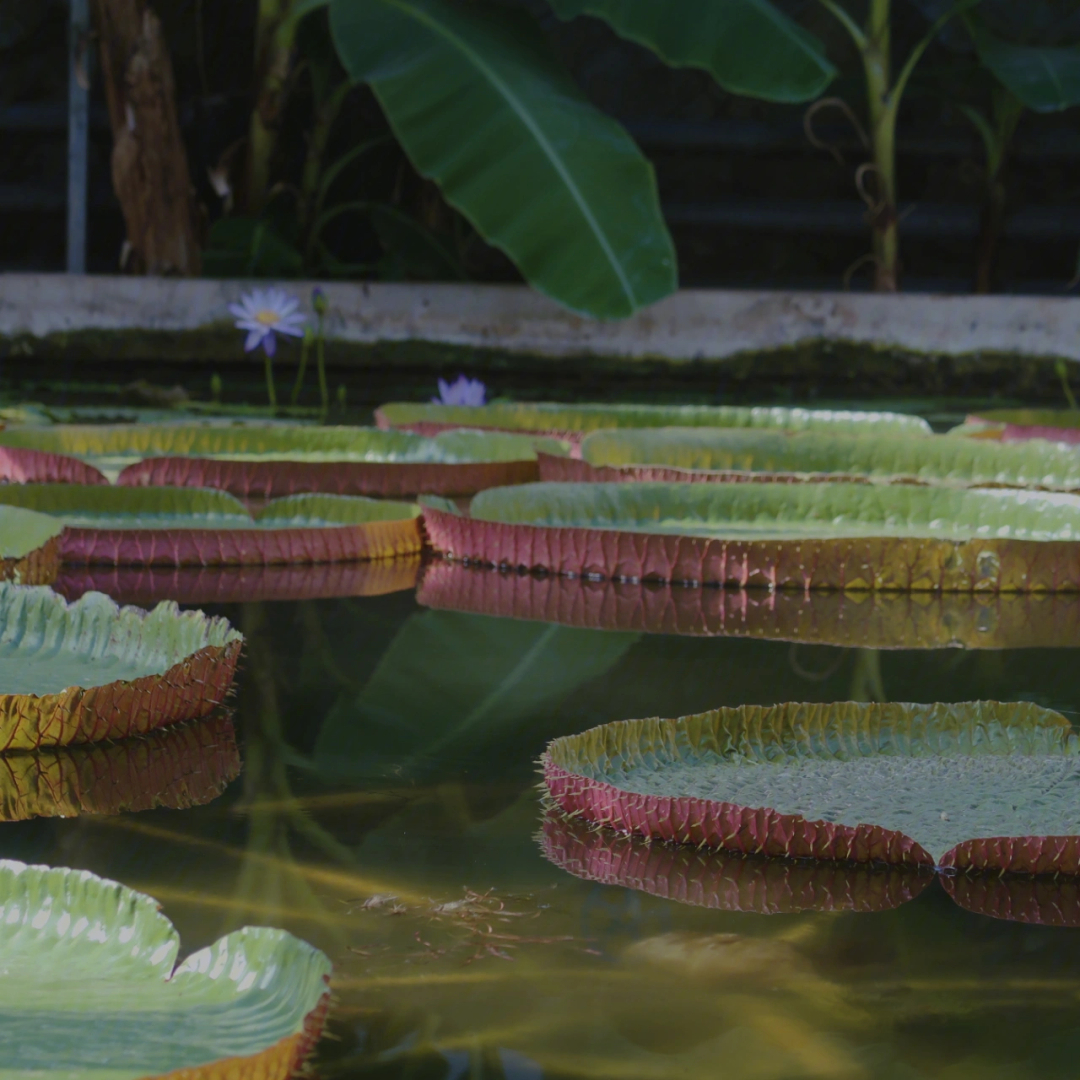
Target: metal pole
78	133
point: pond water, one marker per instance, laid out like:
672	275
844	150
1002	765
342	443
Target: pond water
388	812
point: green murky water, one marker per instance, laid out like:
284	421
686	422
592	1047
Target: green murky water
388	812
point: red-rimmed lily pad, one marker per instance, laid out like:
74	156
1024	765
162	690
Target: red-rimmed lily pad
874	620
185	765
275	461
723	880
29	545
203	527
573	422
90	670
92	988
971	786
27	466
1019	425
801	536
145	586
747	455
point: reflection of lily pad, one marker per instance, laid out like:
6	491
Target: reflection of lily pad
977	785
1044	901
91	989
879	620
804	536
575	420
718	455
145	586
270	461
90	671
181	766
200	527
723	880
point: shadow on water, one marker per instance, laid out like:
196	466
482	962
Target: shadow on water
388	812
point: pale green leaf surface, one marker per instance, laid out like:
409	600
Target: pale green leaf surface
781	511
555	416
86	990
113	447
458	680
23	531
941	773
935	459
749	47
97	506
48	644
482	106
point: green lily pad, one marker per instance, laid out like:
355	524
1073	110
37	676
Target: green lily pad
934	459
92	989
976	785
112	448
557	417
24	530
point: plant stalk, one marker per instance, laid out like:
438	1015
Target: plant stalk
273	56
882	100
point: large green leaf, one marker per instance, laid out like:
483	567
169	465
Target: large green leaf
556	416
783	511
23	531
482	107
1046	78
749	46
91	990
463	682
938	459
808	779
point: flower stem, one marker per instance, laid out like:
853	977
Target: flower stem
305	348
320	361
271	393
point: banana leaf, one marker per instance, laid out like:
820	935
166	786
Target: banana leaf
1016	425
863	620
723	880
749	47
90	670
573	421
93	989
731	454
483	107
145	586
805	536
181	766
452	685
169	526
276	460
976	785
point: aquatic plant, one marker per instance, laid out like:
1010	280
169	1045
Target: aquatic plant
91	975
263	314
975	785
90	671
798	536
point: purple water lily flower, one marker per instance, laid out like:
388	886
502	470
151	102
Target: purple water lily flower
462	391
264	313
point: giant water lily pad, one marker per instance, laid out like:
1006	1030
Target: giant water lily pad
89	671
978	785
866	620
29	545
177	767
202	527
704	454
145	586
805	536
1018	425
574	421
272	461
92	990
